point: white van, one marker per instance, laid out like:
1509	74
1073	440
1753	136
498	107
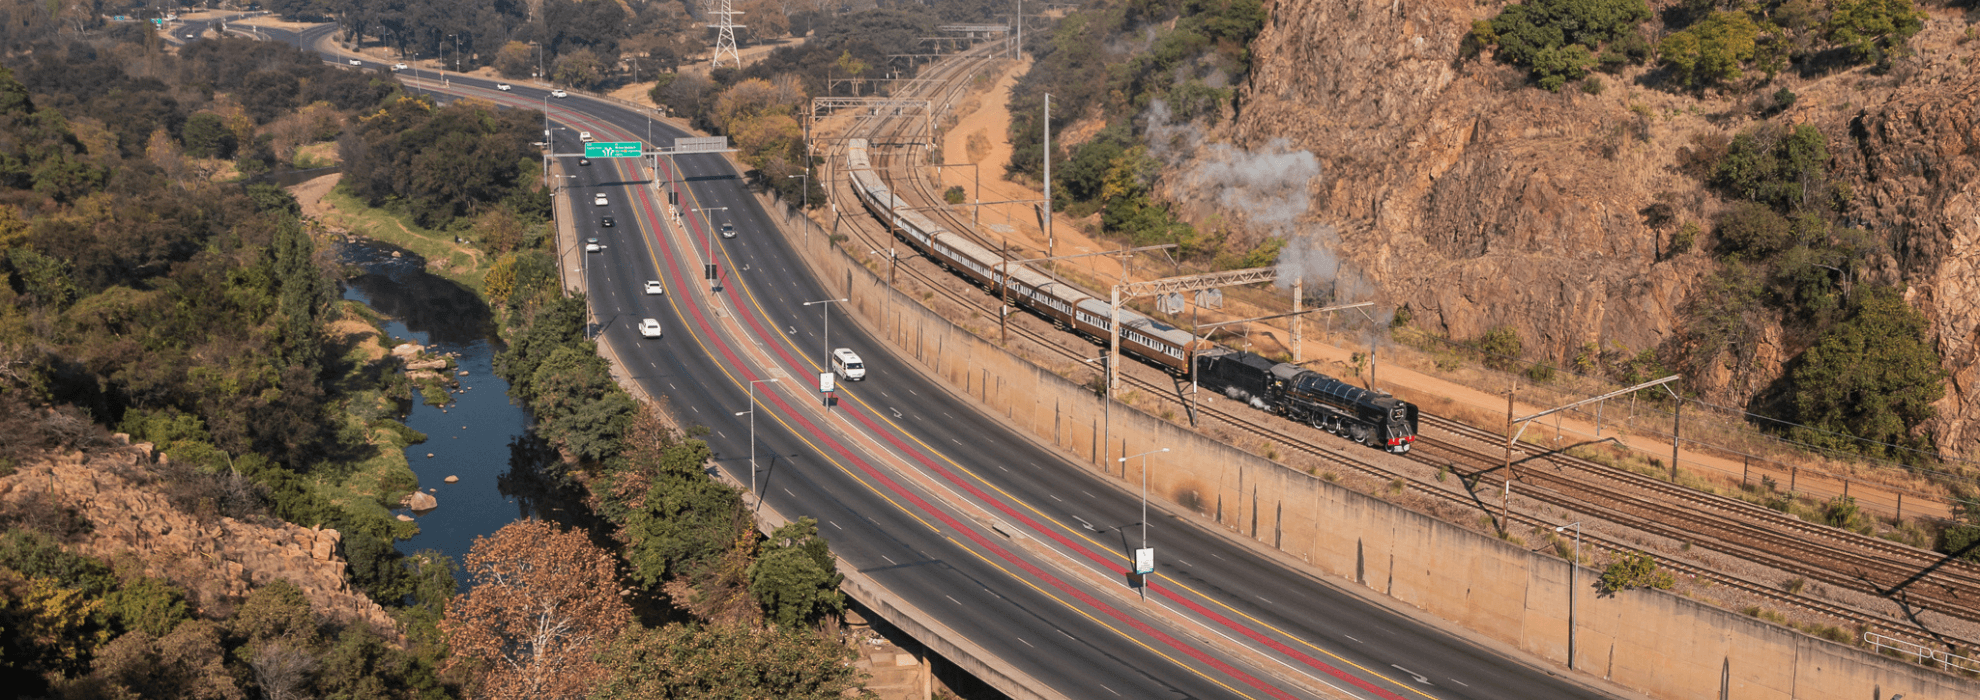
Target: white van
846	364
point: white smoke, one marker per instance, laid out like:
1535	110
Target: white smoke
1267	186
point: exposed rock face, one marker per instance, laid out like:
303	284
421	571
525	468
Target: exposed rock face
421	501
219	562
1479	201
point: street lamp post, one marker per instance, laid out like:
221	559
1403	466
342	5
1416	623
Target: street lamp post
1573	566
825	359
752	434
1144	504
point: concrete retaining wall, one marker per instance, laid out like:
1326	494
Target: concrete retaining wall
1661	644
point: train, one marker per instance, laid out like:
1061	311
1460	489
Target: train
1303	395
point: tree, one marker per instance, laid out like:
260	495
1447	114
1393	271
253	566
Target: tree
1871	29
795	577
515	60
734	661
579	69
545	602
1711	51
1558	40
1869	380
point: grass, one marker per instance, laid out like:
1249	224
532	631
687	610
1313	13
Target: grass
459	262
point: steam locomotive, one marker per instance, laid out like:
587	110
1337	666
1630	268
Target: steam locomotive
1367	417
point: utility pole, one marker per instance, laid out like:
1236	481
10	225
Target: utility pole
1049	252
1505	494
1298	340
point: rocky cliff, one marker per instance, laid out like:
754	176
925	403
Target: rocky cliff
217	561
1480	201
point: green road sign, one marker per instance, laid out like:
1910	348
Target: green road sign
612	149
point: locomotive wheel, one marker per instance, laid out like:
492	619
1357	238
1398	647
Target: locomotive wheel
1359	433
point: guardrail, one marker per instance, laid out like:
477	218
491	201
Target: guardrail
1946	660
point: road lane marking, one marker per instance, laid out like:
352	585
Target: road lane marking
1056	497
1412	674
1267	602
952	599
1110	690
835	524
1459	682
889	560
1029	644
1357	641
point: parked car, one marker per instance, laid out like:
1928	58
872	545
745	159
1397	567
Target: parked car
654	287
559	94
650	328
504	87
728	230
600	200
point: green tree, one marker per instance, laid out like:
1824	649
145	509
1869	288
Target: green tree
1558	40
580	69
1872	29
738	661
206	136
1869	380
1634	570
795	577
1712	51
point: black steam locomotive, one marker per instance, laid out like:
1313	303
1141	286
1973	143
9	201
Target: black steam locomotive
1367	417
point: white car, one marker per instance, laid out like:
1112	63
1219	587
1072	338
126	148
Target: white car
600	200
591	245
654	287
398	66
584	136
560	94
728	230
650	328
356	62
504	87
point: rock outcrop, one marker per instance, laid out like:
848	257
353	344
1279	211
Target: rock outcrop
1480	201
218	561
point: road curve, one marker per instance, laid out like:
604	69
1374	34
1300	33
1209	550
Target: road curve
880	471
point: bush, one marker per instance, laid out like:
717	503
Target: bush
1869	380
1502	347
1753	230
1557	40
955	195
1635	570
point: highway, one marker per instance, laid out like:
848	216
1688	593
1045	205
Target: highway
881	471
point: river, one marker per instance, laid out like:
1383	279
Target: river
481	437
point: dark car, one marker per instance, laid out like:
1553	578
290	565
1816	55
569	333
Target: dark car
584	161
607	222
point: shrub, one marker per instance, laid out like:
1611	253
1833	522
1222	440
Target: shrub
1501	346
1635	570
1753	230
954	195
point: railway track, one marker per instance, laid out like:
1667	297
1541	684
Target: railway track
1818	553
1833	556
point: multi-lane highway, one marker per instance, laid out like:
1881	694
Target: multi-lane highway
894	473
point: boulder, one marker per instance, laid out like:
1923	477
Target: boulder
405	518
427	364
421	502
451	479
